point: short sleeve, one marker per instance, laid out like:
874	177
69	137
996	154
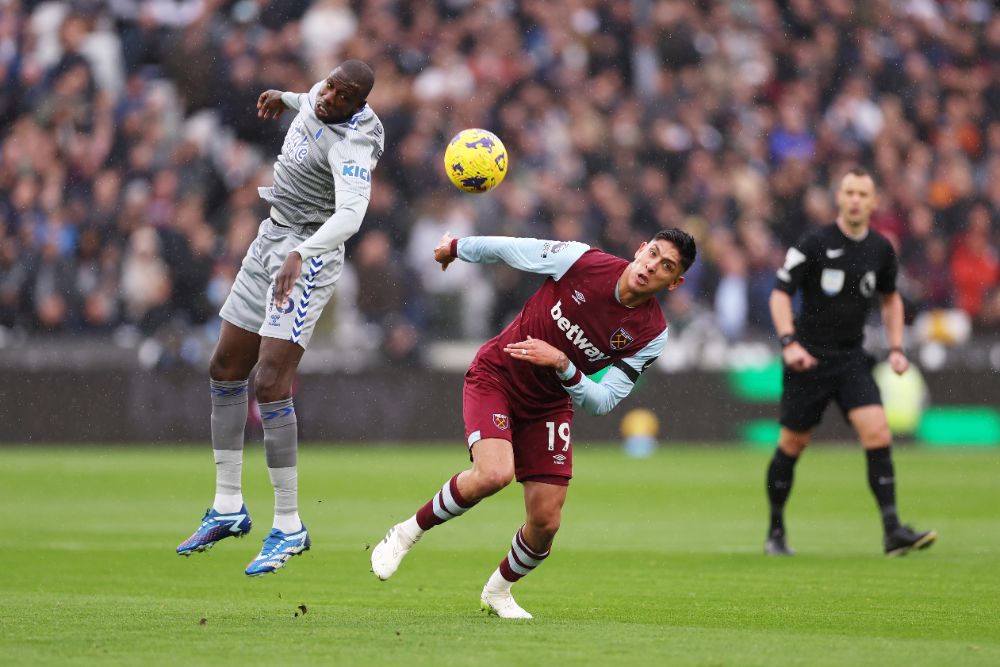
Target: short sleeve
792	273
885	281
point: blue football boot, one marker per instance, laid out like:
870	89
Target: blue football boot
278	548
216	526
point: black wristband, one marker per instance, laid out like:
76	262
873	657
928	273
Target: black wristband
787	340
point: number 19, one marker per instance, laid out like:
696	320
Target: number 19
563	434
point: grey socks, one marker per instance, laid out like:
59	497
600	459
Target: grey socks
229	418
281	439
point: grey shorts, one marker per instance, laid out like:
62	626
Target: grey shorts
250	304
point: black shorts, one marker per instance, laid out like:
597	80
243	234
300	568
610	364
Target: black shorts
846	379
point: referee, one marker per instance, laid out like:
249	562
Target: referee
839	269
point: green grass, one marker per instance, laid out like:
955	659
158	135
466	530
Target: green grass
658	562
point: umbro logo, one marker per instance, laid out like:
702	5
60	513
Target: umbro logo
579	298
834	253
558	459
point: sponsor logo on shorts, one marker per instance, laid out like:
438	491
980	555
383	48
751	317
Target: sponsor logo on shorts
558	459
621	339
502	422
575	335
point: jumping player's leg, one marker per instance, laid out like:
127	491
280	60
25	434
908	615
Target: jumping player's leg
232	361
531	545
873	431
273	388
492	469
286	331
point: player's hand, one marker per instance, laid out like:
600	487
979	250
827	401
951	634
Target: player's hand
442	253
289	272
898	362
269	104
797	357
537	352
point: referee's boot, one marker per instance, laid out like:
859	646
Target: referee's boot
904	539
776	544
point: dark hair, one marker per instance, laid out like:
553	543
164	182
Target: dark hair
684	243
860	172
360	74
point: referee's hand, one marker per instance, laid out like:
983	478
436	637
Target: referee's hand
797	357
898	362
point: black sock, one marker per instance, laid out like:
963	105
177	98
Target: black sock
779	485
882	480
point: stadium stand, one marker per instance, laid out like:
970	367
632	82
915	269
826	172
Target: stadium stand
130	151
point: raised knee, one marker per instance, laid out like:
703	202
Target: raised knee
494	479
547	524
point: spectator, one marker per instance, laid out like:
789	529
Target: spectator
975	267
730	120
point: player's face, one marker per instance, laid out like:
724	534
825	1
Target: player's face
856	199
657	266
338	99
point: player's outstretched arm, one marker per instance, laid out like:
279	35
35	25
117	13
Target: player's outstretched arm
550	258
270	104
443	251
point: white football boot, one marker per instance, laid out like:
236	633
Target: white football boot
388	554
501	603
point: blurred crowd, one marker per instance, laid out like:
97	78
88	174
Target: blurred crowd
131	153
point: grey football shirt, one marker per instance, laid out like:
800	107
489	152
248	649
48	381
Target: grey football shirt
323	164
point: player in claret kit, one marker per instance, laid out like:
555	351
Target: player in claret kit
595	310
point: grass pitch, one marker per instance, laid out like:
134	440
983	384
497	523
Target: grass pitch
658	562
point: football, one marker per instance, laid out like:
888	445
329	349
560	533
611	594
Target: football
475	160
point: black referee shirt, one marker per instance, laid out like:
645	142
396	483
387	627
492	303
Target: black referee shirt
839	278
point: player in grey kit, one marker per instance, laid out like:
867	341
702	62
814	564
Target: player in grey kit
322	184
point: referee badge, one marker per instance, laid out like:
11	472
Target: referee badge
867	284
832	281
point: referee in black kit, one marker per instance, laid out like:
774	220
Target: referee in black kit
840	269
